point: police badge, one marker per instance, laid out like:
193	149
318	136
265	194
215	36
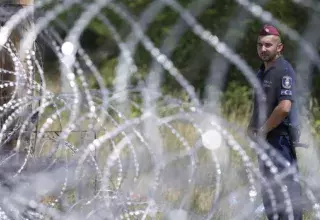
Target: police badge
286	82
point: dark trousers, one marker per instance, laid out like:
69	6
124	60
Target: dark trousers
283	147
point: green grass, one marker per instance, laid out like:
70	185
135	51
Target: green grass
236	108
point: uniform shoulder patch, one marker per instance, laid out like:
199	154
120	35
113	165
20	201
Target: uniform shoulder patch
287	82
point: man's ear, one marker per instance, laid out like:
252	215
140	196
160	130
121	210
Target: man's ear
279	47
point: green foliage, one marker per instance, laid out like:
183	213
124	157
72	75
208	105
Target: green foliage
315	111
236	102
108	71
191	55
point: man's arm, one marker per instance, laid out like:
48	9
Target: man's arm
277	116
284	87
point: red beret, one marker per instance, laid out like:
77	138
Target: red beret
269	30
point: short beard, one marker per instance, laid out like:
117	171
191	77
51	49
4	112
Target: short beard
270	58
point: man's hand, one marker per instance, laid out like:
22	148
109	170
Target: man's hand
252	132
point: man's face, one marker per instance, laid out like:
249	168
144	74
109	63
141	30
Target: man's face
269	47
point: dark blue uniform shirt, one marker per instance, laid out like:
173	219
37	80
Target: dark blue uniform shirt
278	83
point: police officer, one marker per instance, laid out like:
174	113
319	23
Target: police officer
277	79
